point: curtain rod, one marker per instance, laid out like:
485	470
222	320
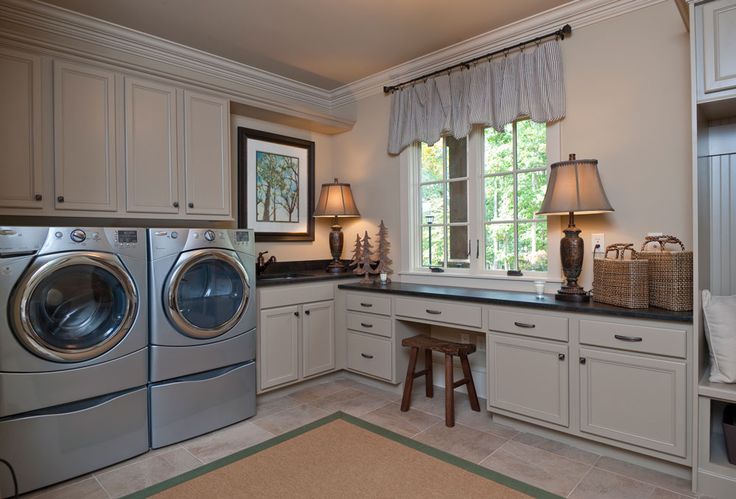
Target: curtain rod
560	33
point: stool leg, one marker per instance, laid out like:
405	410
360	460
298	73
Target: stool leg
428	377
409	383
471	386
449	393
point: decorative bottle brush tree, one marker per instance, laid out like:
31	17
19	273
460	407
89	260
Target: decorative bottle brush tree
364	266
384	246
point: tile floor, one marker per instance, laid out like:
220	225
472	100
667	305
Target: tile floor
551	465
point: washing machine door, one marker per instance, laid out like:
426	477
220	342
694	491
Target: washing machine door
72	307
207	293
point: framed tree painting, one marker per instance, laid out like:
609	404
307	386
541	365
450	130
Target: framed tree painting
275	186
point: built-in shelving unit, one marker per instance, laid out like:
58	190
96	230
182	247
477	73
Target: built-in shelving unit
713	29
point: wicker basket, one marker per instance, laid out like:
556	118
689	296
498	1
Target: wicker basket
619	281
670	274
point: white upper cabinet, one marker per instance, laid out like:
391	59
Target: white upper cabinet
151	159
719	45
85	175
21	168
207	154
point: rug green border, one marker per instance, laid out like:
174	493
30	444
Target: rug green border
418	446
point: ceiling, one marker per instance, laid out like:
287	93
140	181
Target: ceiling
325	43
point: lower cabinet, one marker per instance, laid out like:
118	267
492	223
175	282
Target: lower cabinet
295	342
634	399
528	377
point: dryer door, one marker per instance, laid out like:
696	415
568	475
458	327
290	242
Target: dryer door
207	293
72	307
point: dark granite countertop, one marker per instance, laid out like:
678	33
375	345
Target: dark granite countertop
519	299
281	273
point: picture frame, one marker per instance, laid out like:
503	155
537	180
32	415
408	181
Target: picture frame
275	186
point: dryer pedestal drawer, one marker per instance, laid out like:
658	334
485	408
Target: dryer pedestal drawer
32	391
53	445
169	362
193	405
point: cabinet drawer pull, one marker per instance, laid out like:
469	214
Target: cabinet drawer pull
632	339
561	356
366	356
38	197
525	325
365	324
433	312
366	305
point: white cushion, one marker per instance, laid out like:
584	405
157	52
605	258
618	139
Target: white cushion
720	329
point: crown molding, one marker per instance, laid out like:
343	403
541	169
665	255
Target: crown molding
60	31
578	13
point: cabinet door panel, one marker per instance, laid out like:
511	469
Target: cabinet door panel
318	338
150	147
719	32
529	377
633	399
278	349
207	154
21	168
84	138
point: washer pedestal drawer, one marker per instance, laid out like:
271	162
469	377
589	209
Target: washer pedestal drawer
185	407
59	443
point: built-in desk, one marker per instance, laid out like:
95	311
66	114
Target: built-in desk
608	374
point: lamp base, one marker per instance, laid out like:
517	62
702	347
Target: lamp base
577	296
336	241
336	267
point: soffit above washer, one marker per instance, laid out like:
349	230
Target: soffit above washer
325	43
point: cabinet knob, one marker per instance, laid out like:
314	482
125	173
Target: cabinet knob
191	205
60	199
306	312
561	356
175	204
296	314
582	360
38	197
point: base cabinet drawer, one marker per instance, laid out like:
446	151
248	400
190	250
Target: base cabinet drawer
369	354
529	324
634	399
369	323
634	337
450	313
369	303
528	377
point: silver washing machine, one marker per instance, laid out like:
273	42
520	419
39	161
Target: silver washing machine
203	331
73	351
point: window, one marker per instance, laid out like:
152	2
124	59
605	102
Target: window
514	183
475	201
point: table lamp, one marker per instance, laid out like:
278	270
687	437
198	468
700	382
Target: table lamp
336	200
574	187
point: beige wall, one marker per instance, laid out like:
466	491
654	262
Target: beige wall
323	170
627	84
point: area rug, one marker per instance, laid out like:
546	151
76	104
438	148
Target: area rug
341	456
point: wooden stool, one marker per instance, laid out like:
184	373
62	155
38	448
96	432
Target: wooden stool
449	349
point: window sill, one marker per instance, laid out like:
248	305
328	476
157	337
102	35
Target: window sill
487	277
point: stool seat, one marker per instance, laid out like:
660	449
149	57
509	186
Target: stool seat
436	345
450	349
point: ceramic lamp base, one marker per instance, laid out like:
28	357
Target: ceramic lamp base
572	250
336	242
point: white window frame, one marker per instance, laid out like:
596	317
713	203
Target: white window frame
410	206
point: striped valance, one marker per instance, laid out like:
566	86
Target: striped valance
491	93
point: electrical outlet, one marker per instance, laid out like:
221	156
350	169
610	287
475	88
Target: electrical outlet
464	338
598	243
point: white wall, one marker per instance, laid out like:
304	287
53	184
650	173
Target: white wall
627	86
323	170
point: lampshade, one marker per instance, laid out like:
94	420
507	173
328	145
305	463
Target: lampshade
336	200
574	186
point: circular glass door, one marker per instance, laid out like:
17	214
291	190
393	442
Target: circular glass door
207	294
73	307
